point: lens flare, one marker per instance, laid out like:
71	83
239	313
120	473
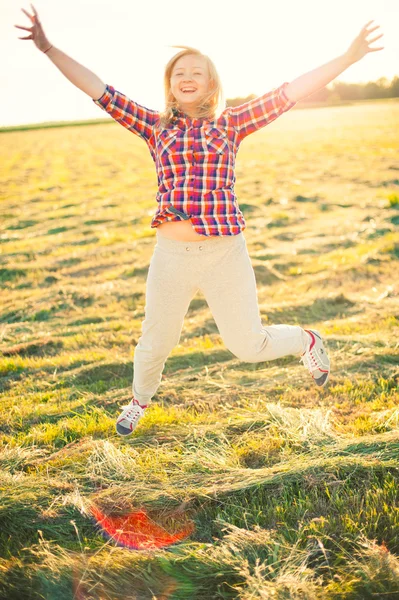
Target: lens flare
138	531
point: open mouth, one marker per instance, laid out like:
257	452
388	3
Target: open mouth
189	91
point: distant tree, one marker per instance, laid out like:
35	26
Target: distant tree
394	87
348	91
341	91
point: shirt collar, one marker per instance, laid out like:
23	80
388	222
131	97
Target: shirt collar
180	119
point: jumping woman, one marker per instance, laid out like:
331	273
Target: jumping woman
200	243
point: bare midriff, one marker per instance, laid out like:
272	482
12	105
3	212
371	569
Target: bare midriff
182	231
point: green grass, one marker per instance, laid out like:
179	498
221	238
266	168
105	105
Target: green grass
292	489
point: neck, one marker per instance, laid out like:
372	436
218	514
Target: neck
189	112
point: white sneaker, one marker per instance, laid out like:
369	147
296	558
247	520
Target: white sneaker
128	419
315	358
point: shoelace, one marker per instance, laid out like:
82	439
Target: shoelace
132	409
309	360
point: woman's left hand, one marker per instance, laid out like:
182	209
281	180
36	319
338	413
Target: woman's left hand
360	45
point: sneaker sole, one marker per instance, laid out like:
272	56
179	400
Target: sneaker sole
321	381
124	431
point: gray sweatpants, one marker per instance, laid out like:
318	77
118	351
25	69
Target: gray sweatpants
221	268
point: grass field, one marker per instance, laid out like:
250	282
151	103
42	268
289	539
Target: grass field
292	490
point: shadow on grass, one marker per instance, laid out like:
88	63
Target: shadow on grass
265	276
197	304
373	364
56	230
321	309
351	480
116	375
22	520
136	272
49	347
111	373
196	359
208	328
12	274
23	224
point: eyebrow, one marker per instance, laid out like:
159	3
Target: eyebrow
178	68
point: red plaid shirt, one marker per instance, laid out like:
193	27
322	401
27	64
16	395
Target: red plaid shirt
194	158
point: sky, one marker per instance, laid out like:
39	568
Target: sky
255	44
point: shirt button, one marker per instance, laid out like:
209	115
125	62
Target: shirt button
200	247
187	248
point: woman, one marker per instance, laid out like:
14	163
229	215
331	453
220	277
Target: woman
200	242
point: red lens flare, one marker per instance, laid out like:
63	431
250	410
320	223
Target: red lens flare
138	531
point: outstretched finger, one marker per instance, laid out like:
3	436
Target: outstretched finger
27	14
367	24
373	29
27	38
375	38
20	27
34	10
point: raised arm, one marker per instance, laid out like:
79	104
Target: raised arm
82	78
259	112
310	82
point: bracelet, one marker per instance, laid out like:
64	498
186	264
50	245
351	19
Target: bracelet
47	50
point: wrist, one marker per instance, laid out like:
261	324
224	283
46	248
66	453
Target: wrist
347	60
49	48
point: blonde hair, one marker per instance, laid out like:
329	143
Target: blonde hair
212	103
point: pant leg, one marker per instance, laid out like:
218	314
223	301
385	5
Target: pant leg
169	289
229	286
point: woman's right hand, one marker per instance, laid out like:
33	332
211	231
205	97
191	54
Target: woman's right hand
37	34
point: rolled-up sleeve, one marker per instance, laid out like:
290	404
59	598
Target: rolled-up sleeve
261	111
135	117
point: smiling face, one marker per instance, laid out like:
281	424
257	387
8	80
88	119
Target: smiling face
190	82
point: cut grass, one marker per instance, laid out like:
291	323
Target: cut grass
293	489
